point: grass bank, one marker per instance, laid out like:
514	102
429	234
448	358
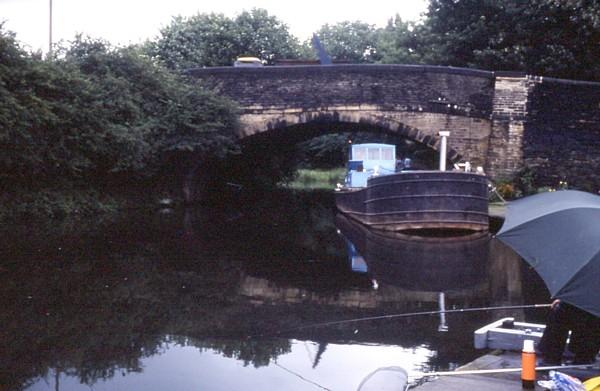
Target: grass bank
318	179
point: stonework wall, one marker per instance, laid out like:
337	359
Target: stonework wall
502	122
263	291
562	134
509	113
415	101
469	138
410	87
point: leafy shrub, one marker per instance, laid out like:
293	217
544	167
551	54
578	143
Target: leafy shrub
97	114
506	190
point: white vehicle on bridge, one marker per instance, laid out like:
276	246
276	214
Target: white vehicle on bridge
248	62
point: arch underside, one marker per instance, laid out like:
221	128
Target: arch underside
468	140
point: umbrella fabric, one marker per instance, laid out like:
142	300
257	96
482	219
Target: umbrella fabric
558	234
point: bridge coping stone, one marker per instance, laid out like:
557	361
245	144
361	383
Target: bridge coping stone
362	68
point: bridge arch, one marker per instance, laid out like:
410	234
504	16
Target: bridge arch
502	121
317	122
414	101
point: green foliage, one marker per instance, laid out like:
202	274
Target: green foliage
95	113
327	151
543	37
353	42
44	122
55	203
168	115
459	30
318	179
525	180
216	40
100	115
402	43
524	183
507	190
265	35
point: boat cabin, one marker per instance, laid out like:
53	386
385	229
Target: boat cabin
367	160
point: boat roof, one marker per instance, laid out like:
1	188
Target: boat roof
373	145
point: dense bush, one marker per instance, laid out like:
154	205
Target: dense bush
97	114
556	38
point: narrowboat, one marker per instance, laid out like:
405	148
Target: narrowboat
385	194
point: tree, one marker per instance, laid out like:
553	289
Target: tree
216	40
560	38
46	117
354	42
264	36
459	29
544	37
402	43
170	121
95	113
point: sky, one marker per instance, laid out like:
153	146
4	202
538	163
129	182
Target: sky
132	21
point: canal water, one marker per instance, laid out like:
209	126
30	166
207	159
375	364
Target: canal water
257	296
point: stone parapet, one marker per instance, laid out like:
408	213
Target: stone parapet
503	121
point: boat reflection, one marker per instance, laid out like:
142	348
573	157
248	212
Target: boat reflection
430	269
420	263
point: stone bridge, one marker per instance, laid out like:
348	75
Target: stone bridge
498	120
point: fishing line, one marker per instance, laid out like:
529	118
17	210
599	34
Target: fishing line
403	315
301	377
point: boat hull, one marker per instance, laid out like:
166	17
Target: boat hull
419	200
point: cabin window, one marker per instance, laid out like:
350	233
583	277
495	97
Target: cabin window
373	153
387	154
359	153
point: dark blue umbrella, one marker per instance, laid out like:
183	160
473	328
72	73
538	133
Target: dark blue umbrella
558	234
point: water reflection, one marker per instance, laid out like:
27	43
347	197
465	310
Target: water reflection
438	273
453	264
188	368
233	299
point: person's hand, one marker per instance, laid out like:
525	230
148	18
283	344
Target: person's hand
555	304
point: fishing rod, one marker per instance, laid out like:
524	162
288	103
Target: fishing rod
497	370
405	315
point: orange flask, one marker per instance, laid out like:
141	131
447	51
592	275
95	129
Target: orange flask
528	365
